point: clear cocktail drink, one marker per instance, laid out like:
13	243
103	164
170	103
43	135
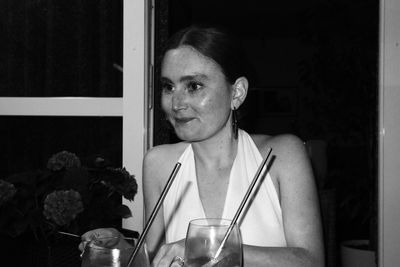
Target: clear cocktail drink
98	253
203	239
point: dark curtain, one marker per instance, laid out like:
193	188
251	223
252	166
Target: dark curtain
61	48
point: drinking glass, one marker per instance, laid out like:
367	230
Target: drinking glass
203	239
102	252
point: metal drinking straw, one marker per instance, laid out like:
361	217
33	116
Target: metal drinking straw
154	213
242	204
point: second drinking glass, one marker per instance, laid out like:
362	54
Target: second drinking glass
203	239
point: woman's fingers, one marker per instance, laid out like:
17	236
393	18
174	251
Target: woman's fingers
160	254
82	245
167	255
177	262
107	237
100	233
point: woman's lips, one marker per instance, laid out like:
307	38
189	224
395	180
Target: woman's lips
183	120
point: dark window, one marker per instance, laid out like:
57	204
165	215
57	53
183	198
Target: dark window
61	48
27	142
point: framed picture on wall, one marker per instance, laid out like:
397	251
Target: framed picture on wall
274	101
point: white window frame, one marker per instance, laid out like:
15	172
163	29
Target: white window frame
134	107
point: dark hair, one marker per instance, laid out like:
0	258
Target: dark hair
215	43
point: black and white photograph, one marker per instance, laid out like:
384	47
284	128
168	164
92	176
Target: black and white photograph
205	133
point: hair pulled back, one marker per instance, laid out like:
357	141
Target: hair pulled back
215	43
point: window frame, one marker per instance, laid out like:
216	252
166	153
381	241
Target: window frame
134	107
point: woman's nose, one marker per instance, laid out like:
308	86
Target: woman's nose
179	101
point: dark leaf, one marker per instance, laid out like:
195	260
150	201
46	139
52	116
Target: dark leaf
123	211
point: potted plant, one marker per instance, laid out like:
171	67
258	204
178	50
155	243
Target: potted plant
357	253
64	197
360	205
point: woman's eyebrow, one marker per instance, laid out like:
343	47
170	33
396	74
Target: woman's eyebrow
199	76
187	78
165	80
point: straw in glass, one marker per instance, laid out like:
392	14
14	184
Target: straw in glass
240	209
154	212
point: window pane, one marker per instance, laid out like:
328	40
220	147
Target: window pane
28	142
61	48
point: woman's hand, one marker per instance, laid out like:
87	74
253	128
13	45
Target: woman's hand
169	253
113	238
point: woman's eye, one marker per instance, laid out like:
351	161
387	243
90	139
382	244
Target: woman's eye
193	86
166	87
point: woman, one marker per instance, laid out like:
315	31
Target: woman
202	87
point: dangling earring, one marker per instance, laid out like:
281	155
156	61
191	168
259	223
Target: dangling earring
234	123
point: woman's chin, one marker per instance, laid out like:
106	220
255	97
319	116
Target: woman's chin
187	136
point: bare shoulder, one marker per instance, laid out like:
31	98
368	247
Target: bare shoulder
159	161
283	144
288	151
165	152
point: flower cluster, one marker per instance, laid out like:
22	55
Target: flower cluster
120	181
63	159
62	206
7	191
65	196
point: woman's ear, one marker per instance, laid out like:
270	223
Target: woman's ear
240	88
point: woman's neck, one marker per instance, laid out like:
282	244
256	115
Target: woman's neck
217	151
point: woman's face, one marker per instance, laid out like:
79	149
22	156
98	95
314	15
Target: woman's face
196	96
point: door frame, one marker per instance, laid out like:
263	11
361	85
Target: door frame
389	134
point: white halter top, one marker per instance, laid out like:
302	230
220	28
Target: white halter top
260	225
